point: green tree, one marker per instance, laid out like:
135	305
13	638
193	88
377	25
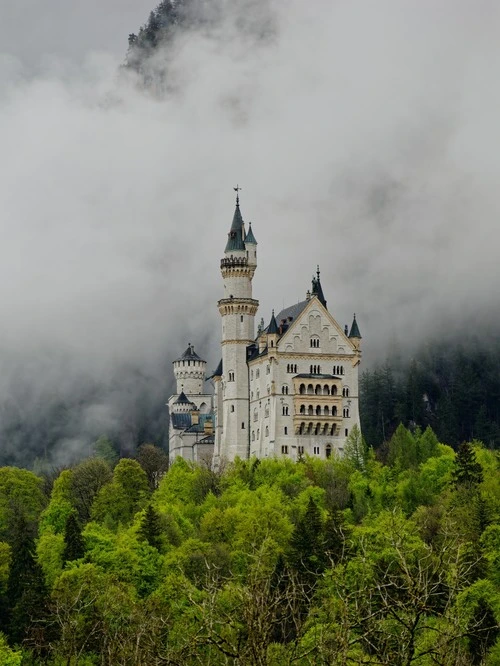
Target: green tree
154	461
74	544
355	449
104	448
308	545
87	479
151	528
468	472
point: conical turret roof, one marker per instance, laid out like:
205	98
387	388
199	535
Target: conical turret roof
354	333
190	355
273	325
183	400
235	239
250	238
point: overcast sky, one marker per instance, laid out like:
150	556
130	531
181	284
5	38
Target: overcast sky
365	138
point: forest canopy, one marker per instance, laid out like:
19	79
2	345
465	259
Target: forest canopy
269	562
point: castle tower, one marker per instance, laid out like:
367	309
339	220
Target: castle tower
190	372
237	309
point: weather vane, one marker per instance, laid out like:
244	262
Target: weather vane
237	190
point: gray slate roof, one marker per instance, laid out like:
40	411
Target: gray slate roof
235	236
189	355
355	329
292	311
181	421
250	238
183	400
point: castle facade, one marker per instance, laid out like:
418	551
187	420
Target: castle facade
290	390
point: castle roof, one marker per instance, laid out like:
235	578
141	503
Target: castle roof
290	313
250	238
190	355
218	371
183	400
354	333
180	421
308	375
235	236
273	326
317	289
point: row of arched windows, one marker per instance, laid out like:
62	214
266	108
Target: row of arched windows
291	367
314	342
317	390
318	429
315	369
258	433
310	410
338	369
345	392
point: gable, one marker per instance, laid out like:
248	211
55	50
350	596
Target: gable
315	322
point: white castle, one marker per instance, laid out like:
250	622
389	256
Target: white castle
291	390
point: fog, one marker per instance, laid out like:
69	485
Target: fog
363	135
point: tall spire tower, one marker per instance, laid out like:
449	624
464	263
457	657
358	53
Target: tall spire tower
237	309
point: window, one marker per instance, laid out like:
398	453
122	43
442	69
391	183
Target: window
284	450
241	318
285	410
257	373
345	392
251	374
314	342
346	431
255	415
231	377
253	435
316	450
258	394
346	412
300	450
285	430
268	369
266	411
267	431
232	408
284	389
302	389
291	367
328	450
243	425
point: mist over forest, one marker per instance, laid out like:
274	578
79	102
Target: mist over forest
362	137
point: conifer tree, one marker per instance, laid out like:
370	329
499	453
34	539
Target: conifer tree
151	529
74	545
308	547
468	472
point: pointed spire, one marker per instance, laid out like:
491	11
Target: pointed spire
250	238
273	326
317	290
236	233
355	329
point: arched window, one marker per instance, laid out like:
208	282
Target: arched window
325	429
302	427
302	389
285	410
334	410
326	390
267	431
346	412
310	389
333	430
284	389
310	429
317	389
318	428
266	411
328	450
345	392
326	411
314	342
257	373
310	410
334	390
302	409
318	410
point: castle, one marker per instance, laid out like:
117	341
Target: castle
289	391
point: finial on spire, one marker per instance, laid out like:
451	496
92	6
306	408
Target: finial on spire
237	190
317	271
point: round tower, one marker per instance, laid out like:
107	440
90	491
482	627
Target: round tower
190	372
237	309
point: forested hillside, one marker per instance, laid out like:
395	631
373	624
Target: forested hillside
344	561
453	387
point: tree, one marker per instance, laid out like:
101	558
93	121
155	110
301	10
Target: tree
74	544
308	545
86	481
151	529
103	448
154	462
468	472
355	449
